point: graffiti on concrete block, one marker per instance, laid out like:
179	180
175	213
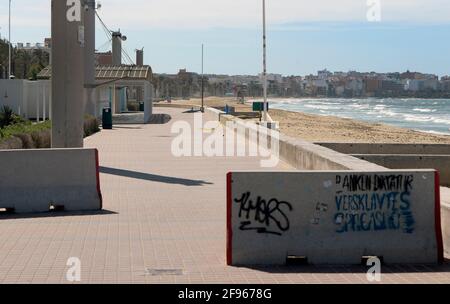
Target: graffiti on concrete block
265	216
374	203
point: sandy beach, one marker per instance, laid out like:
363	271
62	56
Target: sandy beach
317	128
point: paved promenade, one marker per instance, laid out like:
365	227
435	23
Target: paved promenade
163	222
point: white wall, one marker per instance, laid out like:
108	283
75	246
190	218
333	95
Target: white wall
103	98
30	99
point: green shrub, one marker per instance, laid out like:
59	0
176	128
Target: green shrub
39	135
91	125
18	119
23	128
6	116
133	106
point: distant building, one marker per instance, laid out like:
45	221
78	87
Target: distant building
48	43
392	86
104	58
431	84
277	78
372	86
30	47
324	75
355	86
417	76
445	84
415	85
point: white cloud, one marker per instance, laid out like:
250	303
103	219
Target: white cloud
186	14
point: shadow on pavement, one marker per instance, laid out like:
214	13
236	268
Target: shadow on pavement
16	216
153	177
191	111
357	269
127	128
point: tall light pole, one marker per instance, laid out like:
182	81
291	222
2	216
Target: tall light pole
203	83
9	40
89	58
264	62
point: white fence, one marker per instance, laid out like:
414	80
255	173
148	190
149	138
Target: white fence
30	99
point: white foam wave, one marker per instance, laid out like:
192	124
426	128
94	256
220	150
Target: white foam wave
417	118
424	110
441	121
435	132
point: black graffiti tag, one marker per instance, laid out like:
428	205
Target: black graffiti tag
263	216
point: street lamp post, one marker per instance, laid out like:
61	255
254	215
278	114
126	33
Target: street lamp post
203	84
9	42
264	62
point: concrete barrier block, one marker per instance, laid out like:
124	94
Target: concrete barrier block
34	180
334	217
446	228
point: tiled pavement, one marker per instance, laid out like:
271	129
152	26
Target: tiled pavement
163	222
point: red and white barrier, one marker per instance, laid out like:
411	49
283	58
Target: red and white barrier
333	217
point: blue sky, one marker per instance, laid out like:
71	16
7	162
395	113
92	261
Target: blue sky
303	36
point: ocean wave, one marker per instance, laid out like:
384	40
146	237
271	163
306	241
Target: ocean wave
321	107
360	106
388	113
380	107
442	121
410	113
424	110
417	118
434	132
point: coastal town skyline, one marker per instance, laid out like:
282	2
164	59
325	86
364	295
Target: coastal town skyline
29	59
323	83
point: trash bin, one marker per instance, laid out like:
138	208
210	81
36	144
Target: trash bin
107	119
141	106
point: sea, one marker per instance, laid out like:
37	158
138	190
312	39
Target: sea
425	115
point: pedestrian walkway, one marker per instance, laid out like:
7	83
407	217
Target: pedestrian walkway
164	221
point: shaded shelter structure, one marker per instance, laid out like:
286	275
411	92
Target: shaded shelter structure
113	84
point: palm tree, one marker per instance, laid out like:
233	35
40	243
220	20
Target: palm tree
6	116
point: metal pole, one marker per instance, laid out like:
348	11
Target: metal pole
89	59
37	108
203	83
264	61
9	40
44	115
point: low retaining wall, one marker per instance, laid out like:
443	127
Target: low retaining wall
365	148
304	155
440	163
39	180
333	217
